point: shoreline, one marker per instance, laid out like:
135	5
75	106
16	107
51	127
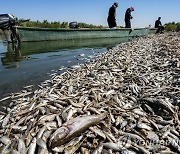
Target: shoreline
135	84
29	50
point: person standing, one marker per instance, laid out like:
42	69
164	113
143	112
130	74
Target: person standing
128	17
112	15
158	25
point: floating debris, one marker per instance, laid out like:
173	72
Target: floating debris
123	101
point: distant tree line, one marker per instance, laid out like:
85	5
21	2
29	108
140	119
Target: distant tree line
84	25
46	24
172	26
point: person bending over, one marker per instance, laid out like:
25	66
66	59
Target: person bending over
128	17
112	15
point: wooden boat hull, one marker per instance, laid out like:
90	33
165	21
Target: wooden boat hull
49	34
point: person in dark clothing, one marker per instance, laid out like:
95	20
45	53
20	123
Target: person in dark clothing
112	15
128	17
159	26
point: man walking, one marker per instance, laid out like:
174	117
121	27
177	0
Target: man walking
128	17
112	15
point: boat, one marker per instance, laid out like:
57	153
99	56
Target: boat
27	34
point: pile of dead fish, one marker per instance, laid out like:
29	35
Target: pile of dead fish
123	101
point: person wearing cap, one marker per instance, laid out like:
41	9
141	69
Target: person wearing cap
112	15
128	17
158	25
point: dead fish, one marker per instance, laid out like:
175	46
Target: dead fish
98	132
15	152
21	146
5	98
98	150
73	128
112	117
5	149
1	117
152	136
46	135
19	128
6	120
139	112
165	122
41	143
174	131
143	126
71	112
174	144
42	151
154	125
5	140
59	149
77	105
41	131
32	146
32	106
59	121
65	112
173	136
50	117
20	121
141	149
167	152
85	150
110	137
113	146
165	134
75	66
159	102
133	137
51	125
73	145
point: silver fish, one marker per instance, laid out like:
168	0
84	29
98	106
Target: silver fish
15	152
73	128
98	150
159	102
41	143
41	131
21	146
113	146
32	146
6	120
5	140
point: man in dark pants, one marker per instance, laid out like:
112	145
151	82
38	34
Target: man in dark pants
128	17
159	26
112	15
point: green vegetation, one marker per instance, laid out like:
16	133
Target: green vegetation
84	25
172	26
46	24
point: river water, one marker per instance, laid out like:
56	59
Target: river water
33	62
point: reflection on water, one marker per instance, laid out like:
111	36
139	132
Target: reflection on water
18	52
47	46
29	62
12	55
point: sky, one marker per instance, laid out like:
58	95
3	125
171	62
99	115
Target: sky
93	11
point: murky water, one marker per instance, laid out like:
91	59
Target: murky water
33	62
